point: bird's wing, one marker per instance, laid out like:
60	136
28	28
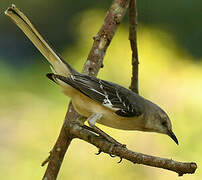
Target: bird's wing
108	94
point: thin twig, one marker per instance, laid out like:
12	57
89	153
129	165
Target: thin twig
133	44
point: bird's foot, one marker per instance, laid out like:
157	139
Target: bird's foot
110	152
113	144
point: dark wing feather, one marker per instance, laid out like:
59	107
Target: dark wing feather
123	101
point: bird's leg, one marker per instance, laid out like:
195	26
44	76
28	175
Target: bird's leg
92	120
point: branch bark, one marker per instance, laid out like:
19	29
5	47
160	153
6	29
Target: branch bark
104	36
133	44
134	157
63	141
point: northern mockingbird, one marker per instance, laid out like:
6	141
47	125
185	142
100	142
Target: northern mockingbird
98	100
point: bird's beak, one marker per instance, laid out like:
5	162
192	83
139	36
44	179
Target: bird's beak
172	135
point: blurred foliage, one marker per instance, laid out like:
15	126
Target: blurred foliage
56	20
32	108
182	18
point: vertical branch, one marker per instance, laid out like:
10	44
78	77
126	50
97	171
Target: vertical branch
104	36
63	141
133	44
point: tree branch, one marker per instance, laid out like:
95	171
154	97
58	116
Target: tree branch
104	36
63	141
134	157
133	44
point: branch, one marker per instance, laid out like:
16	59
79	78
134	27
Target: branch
104	36
58	152
133	44
134	157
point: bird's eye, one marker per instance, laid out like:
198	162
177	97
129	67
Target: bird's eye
164	123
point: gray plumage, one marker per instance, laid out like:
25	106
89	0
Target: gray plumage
123	102
107	93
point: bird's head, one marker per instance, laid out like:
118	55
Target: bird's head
158	121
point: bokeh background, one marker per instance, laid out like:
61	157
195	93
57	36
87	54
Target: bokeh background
32	108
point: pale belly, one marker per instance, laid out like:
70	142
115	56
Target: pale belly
86	107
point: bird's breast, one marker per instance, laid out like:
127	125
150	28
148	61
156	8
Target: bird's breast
85	106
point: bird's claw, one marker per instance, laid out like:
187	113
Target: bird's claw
120	160
111	149
110	152
112	155
99	152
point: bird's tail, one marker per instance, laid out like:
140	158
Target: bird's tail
59	65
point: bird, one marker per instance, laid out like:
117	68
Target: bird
98	100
